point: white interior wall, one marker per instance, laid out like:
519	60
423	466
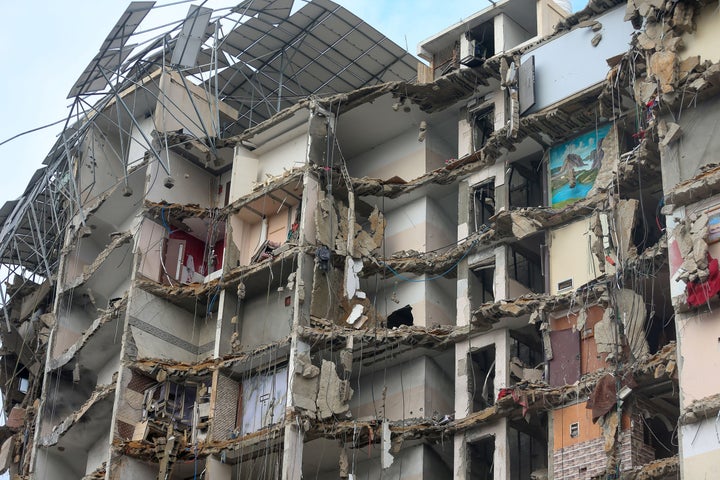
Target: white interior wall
244	172
72	321
265	319
402	156
176	324
97	454
217	470
149	243
84	253
508	33
438	148
100	165
55	466
440	305
290	154
138	146
192	183
415	389
105	372
406	227
441	231
556	73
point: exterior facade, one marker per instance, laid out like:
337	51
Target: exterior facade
272	244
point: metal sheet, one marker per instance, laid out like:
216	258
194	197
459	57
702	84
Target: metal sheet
191	36
113	51
526	84
565	365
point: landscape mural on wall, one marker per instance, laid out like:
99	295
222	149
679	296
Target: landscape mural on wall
574	166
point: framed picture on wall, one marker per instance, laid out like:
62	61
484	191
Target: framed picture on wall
574	166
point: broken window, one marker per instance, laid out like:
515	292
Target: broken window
481	454
527	442
478	45
484	204
526	353
525	267
179	404
483	126
482	285
481	377
525	183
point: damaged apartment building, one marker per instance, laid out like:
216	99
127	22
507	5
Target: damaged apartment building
270	243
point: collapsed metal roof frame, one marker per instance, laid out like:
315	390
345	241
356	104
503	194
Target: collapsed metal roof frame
269	59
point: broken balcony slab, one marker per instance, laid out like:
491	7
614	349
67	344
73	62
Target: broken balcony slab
188	297
704	185
234	365
700	410
112	255
547	127
96	409
99	342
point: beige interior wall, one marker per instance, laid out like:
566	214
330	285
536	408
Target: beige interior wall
704	40
149	244
403	156
570	255
699	354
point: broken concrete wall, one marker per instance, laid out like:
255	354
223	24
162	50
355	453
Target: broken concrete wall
225	422
414	389
699	131
703	39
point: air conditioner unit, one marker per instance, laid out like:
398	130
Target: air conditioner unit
472	52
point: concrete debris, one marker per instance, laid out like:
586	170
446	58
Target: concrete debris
700	410
333	394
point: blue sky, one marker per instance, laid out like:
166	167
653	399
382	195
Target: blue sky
45	45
